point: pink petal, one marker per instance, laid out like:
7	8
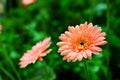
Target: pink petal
101	43
89	54
79	57
65	52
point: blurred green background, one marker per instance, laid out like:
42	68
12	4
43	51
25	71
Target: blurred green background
25	25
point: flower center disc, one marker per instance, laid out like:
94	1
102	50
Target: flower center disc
82	44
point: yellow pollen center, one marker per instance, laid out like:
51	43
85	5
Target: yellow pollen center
82	45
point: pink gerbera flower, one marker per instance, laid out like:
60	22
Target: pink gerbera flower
27	2
81	41
38	51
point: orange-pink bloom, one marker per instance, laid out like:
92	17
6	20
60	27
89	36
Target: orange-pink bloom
27	2
81	41
38	51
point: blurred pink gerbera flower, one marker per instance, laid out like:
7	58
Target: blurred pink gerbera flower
38	51
81	41
27	2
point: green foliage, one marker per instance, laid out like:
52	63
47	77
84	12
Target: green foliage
24	26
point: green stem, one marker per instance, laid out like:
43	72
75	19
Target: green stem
91	8
86	69
107	16
11	63
7	73
45	65
46	69
107	30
